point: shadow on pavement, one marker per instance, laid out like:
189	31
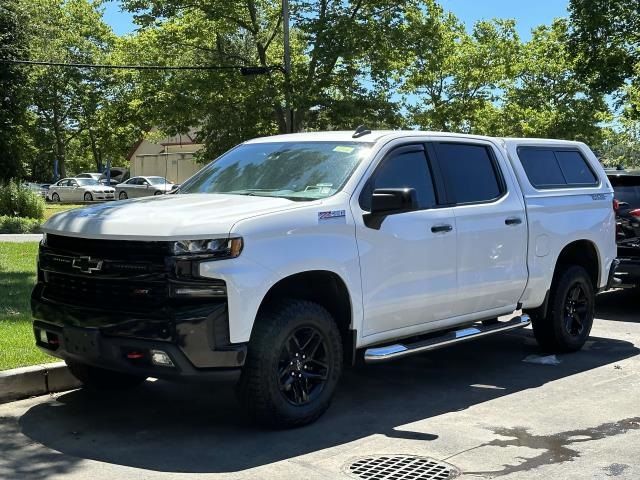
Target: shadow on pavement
200	428
619	305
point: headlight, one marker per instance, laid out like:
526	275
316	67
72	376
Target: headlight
217	247
43	242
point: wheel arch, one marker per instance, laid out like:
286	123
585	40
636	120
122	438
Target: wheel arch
583	253
325	288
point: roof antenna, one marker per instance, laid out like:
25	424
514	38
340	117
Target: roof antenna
361	131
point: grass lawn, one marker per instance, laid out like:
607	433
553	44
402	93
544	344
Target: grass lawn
53	208
17	277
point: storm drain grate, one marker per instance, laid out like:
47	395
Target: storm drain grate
401	467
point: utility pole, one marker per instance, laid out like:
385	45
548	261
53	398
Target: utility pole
287	67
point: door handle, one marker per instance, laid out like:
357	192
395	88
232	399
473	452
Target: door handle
441	228
513	221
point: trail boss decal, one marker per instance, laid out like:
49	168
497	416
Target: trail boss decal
323	216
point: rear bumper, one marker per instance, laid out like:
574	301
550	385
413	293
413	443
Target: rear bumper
195	338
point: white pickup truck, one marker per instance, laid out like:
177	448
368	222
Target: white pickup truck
291	256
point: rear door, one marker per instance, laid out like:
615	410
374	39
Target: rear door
490	222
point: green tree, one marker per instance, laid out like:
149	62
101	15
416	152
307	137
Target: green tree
14	143
547	97
66	100
606	36
332	85
451	78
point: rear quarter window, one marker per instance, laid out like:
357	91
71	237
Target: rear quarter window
556	168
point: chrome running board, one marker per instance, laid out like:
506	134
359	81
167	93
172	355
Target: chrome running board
398	350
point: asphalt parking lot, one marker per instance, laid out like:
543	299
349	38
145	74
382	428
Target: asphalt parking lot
477	406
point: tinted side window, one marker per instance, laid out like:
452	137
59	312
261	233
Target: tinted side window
553	168
541	167
404	169
469	172
575	168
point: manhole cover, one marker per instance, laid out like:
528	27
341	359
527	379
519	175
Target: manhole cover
401	467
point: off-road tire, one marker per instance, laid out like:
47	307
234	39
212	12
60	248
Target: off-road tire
553	331
100	379
88	197
259	388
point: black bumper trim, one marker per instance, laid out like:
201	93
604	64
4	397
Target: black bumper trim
89	346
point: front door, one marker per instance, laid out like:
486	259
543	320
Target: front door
408	260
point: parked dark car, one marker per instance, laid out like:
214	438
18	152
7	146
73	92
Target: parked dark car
626	185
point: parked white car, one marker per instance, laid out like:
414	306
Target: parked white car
289	257
143	187
79	190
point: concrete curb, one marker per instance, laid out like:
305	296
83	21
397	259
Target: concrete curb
36	380
20	237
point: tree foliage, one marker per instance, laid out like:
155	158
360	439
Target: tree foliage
383	63
14	144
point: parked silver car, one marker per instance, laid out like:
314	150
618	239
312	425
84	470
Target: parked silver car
143	187
79	190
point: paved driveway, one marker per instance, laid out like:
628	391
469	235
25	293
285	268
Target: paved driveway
478	406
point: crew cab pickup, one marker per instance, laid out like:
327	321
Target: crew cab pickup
290	257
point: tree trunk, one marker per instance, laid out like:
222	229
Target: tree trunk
59	146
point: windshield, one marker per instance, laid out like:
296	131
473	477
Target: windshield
298	171
157	180
87	181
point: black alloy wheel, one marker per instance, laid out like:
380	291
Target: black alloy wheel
304	366
575	311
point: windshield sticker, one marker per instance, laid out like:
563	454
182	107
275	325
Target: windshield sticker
343	149
323	216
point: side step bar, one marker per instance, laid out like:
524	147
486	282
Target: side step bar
398	350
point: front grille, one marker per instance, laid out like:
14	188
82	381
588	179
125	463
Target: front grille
104	293
109	249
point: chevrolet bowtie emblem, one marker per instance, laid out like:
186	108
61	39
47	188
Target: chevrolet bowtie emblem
87	264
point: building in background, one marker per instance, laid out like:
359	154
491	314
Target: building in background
170	157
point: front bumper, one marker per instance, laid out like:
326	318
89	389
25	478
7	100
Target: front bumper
195	338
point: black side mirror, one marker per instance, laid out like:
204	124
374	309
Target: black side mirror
393	200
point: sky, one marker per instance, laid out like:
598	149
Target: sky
527	13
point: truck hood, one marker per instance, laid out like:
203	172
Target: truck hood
166	217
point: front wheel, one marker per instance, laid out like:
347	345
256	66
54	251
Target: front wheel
55	197
100	379
158	192
569	319
88	197
293	365
122	196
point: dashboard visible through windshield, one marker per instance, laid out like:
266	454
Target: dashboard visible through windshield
293	170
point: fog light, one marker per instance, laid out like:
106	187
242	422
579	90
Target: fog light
43	336
160	358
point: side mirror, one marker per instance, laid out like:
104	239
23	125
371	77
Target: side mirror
393	200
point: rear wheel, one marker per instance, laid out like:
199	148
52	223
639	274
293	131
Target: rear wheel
55	197
123	196
94	378
569	319
293	365
88	197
